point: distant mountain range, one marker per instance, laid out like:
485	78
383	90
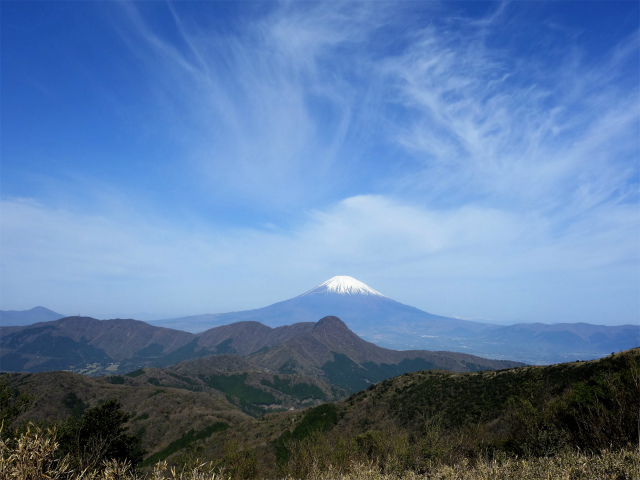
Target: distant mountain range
391	324
27	317
326	348
371	315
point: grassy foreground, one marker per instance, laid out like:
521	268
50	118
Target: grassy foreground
32	456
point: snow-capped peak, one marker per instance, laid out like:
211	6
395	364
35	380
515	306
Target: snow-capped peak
344	285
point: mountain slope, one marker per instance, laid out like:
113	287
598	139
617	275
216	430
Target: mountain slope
77	342
330	350
247	337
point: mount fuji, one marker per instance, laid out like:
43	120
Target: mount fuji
366	311
387	323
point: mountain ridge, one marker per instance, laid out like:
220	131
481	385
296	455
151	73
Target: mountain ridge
98	347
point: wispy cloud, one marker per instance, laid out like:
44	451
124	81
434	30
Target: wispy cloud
263	112
488	125
273	112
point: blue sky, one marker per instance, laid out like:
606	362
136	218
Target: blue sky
472	159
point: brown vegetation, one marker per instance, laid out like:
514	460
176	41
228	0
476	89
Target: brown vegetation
33	457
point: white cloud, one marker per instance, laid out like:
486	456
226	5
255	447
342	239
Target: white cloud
76	262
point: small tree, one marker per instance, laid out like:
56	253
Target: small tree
98	436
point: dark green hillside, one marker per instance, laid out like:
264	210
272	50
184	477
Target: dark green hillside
184	441
247	383
155	356
591	405
301	391
411	421
435	417
250	399
239	380
345	373
461	399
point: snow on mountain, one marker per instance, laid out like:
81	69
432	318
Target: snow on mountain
343	285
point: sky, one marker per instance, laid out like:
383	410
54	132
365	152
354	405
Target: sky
474	159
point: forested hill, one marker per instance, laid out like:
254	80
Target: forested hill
414	422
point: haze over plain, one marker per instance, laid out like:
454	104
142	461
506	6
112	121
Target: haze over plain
472	159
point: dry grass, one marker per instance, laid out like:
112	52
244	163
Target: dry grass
620	465
32	456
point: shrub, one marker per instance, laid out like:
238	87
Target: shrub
184	441
602	413
11	405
